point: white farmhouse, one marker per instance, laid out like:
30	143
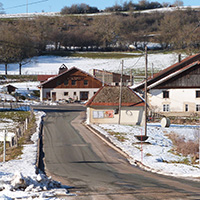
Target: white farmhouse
175	89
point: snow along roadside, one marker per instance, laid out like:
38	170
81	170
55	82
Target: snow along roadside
118	149
131	153
18	178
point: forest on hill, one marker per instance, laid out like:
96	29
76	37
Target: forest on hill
24	38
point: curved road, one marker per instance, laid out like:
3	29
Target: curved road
77	158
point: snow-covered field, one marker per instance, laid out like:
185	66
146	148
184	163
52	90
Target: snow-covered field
155	153
51	64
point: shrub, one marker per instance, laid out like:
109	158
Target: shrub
186	148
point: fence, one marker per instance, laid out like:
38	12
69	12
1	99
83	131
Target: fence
14	106
20	131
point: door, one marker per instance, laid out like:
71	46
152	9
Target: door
84	96
53	96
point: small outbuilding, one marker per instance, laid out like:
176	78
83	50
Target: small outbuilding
103	107
9	89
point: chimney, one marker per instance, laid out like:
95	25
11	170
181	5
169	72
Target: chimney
62	69
131	77
179	57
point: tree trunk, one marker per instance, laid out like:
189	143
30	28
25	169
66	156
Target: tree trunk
20	68
6	68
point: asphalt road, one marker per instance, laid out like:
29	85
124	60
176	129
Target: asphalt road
77	158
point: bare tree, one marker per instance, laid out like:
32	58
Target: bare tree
16	44
178	3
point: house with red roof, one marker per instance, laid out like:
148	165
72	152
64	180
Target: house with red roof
69	84
175	89
104	107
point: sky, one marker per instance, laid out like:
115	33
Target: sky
20	6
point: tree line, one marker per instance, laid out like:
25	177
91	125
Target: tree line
126	6
22	39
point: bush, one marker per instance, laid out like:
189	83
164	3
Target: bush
184	147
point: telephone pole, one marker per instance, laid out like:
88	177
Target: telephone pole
120	92
145	91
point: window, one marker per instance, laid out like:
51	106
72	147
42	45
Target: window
74	93
85	82
165	94
65	93
198	107
58	83
73	82
186	108
98	114
166	108
198	94
66	82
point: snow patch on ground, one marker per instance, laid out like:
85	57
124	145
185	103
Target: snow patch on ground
155	153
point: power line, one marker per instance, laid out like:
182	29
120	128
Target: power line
23	5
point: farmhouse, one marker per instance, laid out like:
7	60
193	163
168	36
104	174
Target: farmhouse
112	78
73	84
103	107
175	89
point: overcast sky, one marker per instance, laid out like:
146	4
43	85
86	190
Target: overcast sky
20	6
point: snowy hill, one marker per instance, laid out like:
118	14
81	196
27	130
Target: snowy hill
52	14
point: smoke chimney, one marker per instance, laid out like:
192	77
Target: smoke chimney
62	69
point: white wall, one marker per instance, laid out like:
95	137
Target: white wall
60	92
177	100
129	115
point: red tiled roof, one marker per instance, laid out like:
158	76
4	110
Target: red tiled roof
43	78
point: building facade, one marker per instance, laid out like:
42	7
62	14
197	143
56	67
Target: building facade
104	107
175	89
73	84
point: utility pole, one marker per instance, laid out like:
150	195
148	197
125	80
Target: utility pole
103	77
26	6
199	146
120	92
145	91
4	146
